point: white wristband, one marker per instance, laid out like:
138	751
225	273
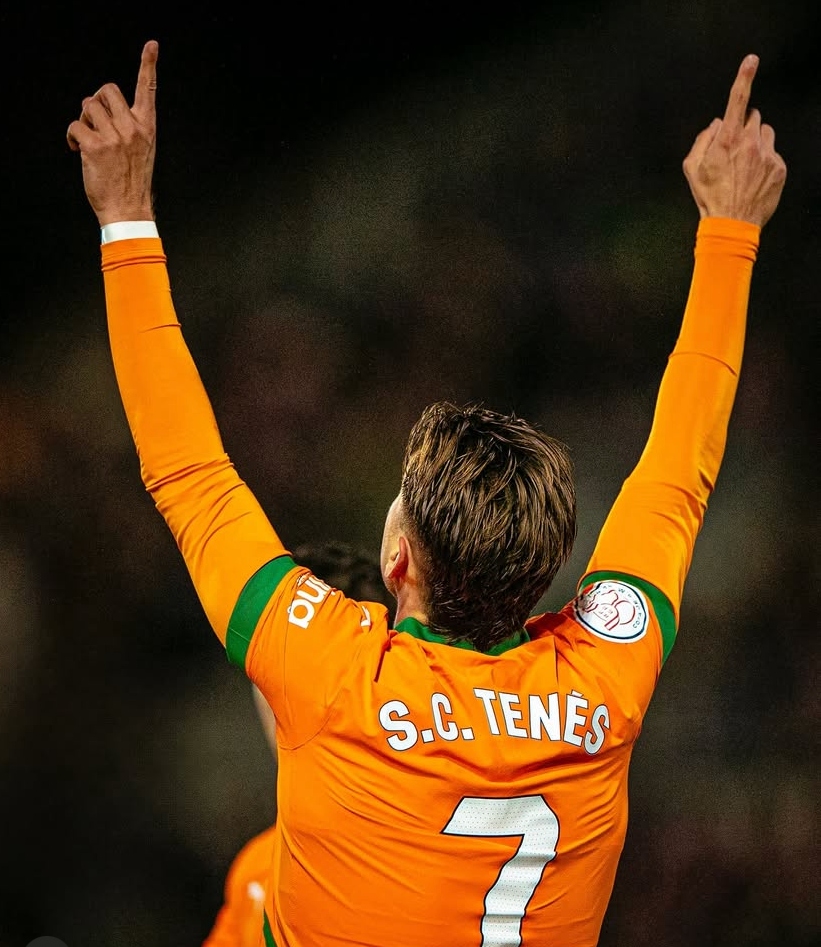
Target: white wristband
127	229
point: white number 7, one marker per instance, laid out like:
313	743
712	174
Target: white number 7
507	900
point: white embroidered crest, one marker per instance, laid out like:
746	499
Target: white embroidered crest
613	611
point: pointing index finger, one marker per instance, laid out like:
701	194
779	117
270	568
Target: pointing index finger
736	113
147	78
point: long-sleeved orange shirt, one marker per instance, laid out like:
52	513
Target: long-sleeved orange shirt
429	794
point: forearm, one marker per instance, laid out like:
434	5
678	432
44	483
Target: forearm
652	528
171	419
222	533
697	391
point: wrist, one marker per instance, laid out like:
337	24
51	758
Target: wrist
127	230
729	227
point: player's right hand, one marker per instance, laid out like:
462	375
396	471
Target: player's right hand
733	168
117	146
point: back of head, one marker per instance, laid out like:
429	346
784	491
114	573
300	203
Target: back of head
490	501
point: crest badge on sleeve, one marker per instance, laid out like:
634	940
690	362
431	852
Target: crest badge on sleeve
613	611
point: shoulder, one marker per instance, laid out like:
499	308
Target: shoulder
614	620
285	597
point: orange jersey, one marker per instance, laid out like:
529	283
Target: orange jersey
429	794
241	917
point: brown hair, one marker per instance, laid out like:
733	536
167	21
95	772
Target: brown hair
491	502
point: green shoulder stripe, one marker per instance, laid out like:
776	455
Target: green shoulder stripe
252	600
662	605
266	930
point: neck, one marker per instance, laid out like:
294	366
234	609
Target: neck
408	605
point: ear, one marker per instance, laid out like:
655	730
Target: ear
398	563
403	581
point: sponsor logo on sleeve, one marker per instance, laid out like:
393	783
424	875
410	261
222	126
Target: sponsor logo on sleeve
613	611
310	592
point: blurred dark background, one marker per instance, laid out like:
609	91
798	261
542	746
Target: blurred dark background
364	211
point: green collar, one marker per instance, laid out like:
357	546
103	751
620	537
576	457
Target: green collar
415	628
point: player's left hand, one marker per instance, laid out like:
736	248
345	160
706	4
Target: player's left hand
117	145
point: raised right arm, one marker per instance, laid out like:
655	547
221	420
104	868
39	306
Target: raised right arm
222	532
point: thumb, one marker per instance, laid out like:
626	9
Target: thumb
703	141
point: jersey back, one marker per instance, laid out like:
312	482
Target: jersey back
430	794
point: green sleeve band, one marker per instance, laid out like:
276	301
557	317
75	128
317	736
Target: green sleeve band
662	605
253	598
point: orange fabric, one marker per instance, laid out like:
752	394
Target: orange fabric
221	530
431	795
652	528
380	745
239	921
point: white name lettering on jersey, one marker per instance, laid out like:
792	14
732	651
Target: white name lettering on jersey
565	718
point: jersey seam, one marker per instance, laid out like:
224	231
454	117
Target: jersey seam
332	704
343	683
